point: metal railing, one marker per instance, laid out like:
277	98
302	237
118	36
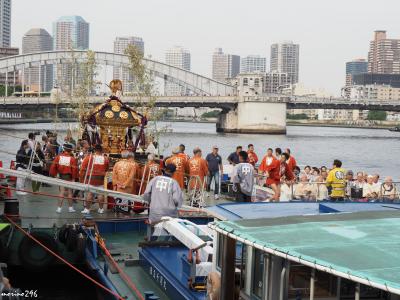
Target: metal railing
319	191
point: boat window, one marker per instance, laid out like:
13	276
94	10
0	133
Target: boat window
220	250
347	291
299	283
258	272
241	262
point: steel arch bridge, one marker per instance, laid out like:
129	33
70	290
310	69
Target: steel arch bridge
197	83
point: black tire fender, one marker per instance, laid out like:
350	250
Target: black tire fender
81	247
71	239
32	255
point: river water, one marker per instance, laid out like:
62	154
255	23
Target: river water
370	150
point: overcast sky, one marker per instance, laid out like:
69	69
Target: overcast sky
329	32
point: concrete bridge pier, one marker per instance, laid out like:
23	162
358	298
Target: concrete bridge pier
254	117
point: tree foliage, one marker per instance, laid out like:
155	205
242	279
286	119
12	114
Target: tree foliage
377	115
144	89
297	117
211	114
87	84
10	90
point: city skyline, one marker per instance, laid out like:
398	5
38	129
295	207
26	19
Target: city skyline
327	27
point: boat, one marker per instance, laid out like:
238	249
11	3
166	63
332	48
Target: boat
40	239
311	256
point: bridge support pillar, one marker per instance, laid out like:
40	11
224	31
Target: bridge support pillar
254	117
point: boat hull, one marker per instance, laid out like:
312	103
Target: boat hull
165	267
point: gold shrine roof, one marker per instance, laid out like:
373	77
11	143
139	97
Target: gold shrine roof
115	113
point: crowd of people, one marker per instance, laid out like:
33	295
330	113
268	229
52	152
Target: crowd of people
277	170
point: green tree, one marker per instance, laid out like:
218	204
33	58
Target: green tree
378	115
144	89
87	85
211	114
10	90
297	116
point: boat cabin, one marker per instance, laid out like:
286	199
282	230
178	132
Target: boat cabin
322	256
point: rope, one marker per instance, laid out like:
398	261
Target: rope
140	219
64	261
64	197
125	277
82	200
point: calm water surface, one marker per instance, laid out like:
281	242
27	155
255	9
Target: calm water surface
370	150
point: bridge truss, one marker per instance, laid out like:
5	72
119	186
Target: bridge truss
199	84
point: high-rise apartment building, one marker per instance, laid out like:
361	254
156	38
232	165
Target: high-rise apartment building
180	58
275	82
285	59
69	33
121	43
252	63
38	40
384	54
122	73
224	66
5	23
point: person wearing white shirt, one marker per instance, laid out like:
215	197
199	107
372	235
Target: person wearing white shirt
388	190
371	189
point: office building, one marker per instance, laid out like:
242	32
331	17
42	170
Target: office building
38	40
384	54
5	23
180	58
252	63
285	59
354	67
392	80
224	66
12	77
122	73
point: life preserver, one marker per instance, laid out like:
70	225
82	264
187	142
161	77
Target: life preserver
34	256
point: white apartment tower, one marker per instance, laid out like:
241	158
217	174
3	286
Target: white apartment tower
285	59
253	63
122	73
180	58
